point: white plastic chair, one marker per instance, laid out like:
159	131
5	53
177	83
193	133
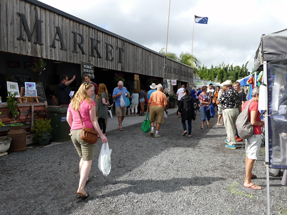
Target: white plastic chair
110	110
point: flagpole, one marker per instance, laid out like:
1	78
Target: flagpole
165	72
192	41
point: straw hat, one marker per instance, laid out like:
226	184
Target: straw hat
153	86
226	83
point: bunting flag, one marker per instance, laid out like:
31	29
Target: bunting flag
200	20
251	86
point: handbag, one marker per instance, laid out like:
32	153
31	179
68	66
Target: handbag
146	124
89	135
244	127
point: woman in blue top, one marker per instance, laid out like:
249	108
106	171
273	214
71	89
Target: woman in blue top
135	102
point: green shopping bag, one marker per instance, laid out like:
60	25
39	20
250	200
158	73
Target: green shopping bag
146	124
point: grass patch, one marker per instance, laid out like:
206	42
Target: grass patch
262	152
233	188
283	211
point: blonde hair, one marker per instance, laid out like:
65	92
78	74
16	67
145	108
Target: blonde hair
102	88
81	95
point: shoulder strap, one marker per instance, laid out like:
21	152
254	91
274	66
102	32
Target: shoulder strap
249	104
80	118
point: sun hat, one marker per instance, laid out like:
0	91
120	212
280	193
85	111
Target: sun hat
226	83
153	86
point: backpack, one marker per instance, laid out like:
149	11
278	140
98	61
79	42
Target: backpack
243	125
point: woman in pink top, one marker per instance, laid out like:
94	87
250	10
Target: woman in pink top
252	144
83	103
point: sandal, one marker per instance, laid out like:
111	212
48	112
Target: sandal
253	186
184	133
189	136
82	196
121	129
208	126
202	128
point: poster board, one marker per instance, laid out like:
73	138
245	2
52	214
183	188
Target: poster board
13	87
30	89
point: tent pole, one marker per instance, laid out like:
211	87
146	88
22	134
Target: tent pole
266	138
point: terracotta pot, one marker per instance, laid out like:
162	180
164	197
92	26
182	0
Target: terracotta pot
18	135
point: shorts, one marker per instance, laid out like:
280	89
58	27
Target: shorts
121	111
142	100
156	114
252	146
84	149
220	110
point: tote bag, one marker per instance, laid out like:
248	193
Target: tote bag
146	124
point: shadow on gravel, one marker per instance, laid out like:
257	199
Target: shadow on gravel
166	186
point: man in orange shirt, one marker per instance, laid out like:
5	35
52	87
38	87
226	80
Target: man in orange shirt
157	104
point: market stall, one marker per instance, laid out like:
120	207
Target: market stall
271	57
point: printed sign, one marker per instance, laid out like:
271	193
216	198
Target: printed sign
173	82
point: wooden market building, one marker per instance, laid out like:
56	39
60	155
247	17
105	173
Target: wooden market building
31	29
69	45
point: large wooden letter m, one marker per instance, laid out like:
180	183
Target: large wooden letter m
37	26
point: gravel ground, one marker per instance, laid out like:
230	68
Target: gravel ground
168	175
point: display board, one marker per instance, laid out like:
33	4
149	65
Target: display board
41	91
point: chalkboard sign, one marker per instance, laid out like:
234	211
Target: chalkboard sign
87	69
41	91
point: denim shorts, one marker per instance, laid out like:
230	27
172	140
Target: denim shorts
142	100
205	113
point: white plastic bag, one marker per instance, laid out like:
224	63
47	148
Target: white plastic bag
164	115
122	102
104	162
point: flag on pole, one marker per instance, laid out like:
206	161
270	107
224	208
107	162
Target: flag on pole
200	20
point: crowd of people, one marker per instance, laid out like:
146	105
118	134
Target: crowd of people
229	100
89	108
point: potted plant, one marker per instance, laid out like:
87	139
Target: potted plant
36	65
42	130
4	142
13	106
119	77
17	132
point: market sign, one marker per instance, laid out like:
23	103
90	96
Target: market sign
78	40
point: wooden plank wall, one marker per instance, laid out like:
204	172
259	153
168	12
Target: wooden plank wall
135	59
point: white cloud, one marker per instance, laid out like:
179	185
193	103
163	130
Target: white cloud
232	34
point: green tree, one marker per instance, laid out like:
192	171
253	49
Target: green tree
168	54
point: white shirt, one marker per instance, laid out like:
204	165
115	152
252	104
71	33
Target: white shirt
211	90
179	93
